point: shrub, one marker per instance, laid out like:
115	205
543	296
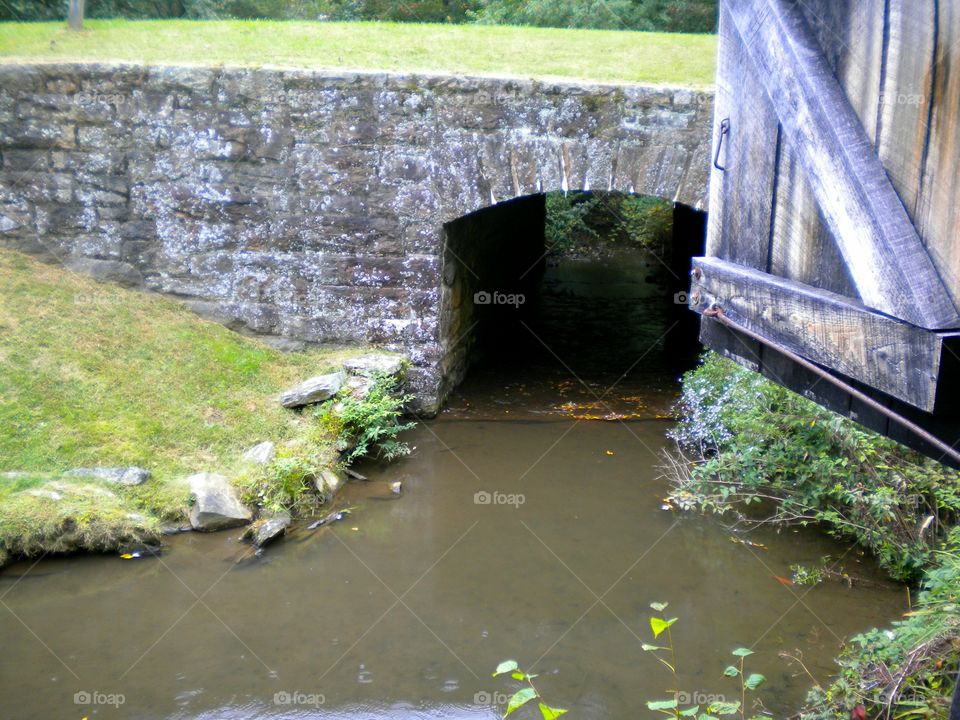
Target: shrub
369	425
747	440
905	671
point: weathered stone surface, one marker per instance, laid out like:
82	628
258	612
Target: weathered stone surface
315	390
329	482
268	529
119	475
312	204
216	504
261	453
374	365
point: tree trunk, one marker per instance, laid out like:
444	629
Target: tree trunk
75	16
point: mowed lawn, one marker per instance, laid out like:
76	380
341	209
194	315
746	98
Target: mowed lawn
598	55
92	374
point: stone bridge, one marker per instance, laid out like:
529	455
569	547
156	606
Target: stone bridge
317	205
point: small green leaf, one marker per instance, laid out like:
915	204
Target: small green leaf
650	648
658	625
519	699
742	652
662	704
690	711
707	717
754	680
550	713
731	671
505	667
518	675
725	708
659	606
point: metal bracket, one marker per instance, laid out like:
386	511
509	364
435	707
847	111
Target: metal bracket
724	130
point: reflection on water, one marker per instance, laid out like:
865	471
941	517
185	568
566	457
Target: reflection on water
523	532
404	609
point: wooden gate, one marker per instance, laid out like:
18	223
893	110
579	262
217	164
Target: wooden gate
834	208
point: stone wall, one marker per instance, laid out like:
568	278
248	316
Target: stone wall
312	205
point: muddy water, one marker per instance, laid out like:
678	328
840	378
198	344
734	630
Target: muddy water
526	529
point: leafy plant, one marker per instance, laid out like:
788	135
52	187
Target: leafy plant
747	682
369	424
527	694
566	221
671	707
747	444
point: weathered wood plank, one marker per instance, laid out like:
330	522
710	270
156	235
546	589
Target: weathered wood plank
905	102
741	198
801	247
844	335
888	264
811	386
938	212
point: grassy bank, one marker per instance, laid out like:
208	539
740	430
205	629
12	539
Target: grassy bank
599	55
94	375
753	452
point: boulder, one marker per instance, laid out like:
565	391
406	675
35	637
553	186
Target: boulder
119	475
329	482
216	505
267	529
359	385
315	390
375	365
261	454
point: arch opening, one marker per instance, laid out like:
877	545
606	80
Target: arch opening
581	292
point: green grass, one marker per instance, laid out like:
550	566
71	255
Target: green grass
599	55
92	374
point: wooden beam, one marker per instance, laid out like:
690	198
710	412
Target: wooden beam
841	334
888	263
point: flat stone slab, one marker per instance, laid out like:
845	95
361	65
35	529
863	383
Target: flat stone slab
315	390
375	365
261	454
268	529
119	475
216	503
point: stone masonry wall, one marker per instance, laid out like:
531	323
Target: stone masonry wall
311	204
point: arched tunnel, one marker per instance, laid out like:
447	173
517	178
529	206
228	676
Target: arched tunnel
549	288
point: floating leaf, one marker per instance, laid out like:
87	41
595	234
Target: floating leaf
518	675
707	717
505	667
549	713
731	671
662	704
519	699
754	680
742	652
659	606
658	625
690	711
